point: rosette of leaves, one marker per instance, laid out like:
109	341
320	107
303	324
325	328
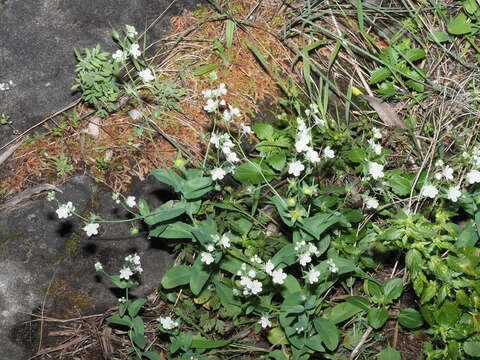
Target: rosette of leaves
96	78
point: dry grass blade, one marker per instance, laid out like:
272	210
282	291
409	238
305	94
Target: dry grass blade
385	112
7	153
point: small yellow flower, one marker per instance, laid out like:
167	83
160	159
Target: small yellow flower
356	91
179	163
291	201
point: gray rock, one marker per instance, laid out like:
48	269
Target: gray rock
37	38
49	263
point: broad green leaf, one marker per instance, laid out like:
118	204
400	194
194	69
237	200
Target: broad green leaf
241	226
276	336
459	25
359	301
342	312
138	326
230	264
392	289
448	314
291	285
143	207
195	188
415	85
229	31
389	354
400	185
472	348
320	222
135	307
248	173
198	276
440	36
410	318
167	211
168	177
286	255
377	317
124	320
177	230
205	69
415	54
372	289
315	343
328	332
277	161
357	155
379	74
176	276
386	89
277	354
413	260
263	131
226	294
139	340
152	355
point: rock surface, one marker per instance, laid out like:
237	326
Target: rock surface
37	38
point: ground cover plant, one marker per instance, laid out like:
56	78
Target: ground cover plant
303	236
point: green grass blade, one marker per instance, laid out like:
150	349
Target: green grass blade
229	31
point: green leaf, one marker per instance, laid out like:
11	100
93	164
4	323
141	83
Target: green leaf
286	255
195	188
392	289
177	230
413	260
459	25
315	343
387	89
400	185
359	301
202	343
139	340
277	354
410	318
168	177
176	276
226	294
263	131
229	31
415	54
343	311
167	211
357	155
135	307
198	276
472	348
241	226
143	207
205	69
320	222
373	289
291	285
328	332
117	319
379	74
377	317
248	173
389	354
276	336
440	36
277	161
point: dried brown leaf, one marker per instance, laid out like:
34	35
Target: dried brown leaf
387	114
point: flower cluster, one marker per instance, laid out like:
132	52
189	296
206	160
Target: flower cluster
225	144
305	252
278	276
132	266
65	210
222	242
250	285
168	323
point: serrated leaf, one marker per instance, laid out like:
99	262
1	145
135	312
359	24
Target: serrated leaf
277	161
379	75
459	25
392	289
415	54
263	131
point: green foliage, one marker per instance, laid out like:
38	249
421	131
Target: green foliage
61	165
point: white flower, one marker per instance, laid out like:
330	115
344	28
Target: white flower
328	153
135	259
218	174
454	193
256	259
211	105
371	203
130	201
116	197
314	108
146	75
376	133
51	196
302	127
303	140
206	258
305	258
138	269
246	129
296	168
130	30
264	322
376	170
168	323
429	191
332	267
225	241
318	121
377	148
207	94
125	273
448	172
222	90
98	266
91	229
215	140
210	247
278	276
65	210
438	176
232	157
473	177
118	55
135	51
439	163
255	287
252	273
312	276
269	267
312	156
122	300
